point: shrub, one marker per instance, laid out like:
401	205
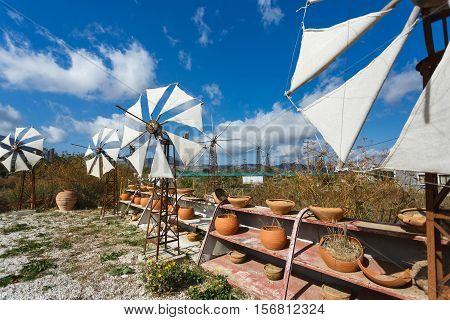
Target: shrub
120	271
165	277
215	288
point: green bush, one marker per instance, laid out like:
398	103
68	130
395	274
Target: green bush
165	277
215	288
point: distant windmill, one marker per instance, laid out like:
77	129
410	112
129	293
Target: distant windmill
259	151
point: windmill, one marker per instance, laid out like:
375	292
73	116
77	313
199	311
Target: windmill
101	162
261	151
177	107
340	114
21	152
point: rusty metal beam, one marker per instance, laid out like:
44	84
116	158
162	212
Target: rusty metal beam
441	196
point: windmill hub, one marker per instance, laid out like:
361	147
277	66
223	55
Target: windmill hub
98	150
153	127
15	147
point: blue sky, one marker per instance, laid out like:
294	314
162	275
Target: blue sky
234	55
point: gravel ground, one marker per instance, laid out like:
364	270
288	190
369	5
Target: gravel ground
75	243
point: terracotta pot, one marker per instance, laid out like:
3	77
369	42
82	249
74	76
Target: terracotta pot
186	213
137	200
413	218
219	195
237	257
144	201
273	237
330	293
328	214
394	280
170	207
65	200
226	224
272	272
192	236
340	265
239	202
125	196
157	204
280	206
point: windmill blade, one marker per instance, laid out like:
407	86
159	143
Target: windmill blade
186	149
153	97
160	167
176	98
106	132
113	153
107	166
114	137
3	152
95	171
95	139
135	111
20	165
8	161
17	133
192	117
31	158
37	144
89	164
129	135
7	140
31	133
89	152
137	159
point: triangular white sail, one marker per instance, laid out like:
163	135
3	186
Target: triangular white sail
7	140
3	152
424	143
320	47
135	110
186	149
20	165
153	97
137	159
114	137
112	152
31	133
106	132
88	152
95	171
107	166
32	158
95	139
8	161
191	117
89	164
340	114
177	98
17	133
160	166
129	135
36	144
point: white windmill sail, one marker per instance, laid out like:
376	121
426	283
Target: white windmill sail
8	162
20	164
135	110
186	149
191	117
36	144
88	152
320	47
112	152
177	98
129	135
32	158
89	164
31	133
3	152
107	166
160	166
340	114
18	132
106	132
153	97
95	171
7	140
95	138
137	159
114	137
424	143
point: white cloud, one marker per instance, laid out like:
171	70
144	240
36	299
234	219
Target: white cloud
23	68
94	29
53	134
400	84
15	16
203	29
270	12
91	127
10	118
213	92
185	59
173	41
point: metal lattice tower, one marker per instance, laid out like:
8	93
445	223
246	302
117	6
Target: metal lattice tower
258	158
267	158
213	165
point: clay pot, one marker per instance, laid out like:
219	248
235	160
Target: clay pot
144	201
219	195
239	202
280	206
192	236
413	218
226	224
273	237
137	200
125	196
272	272
170	207
328	214
340	265
330	293
157	204
65	200
237	257
394	280
186	213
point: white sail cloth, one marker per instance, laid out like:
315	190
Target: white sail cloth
340	114
320	47
98	164
424	143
